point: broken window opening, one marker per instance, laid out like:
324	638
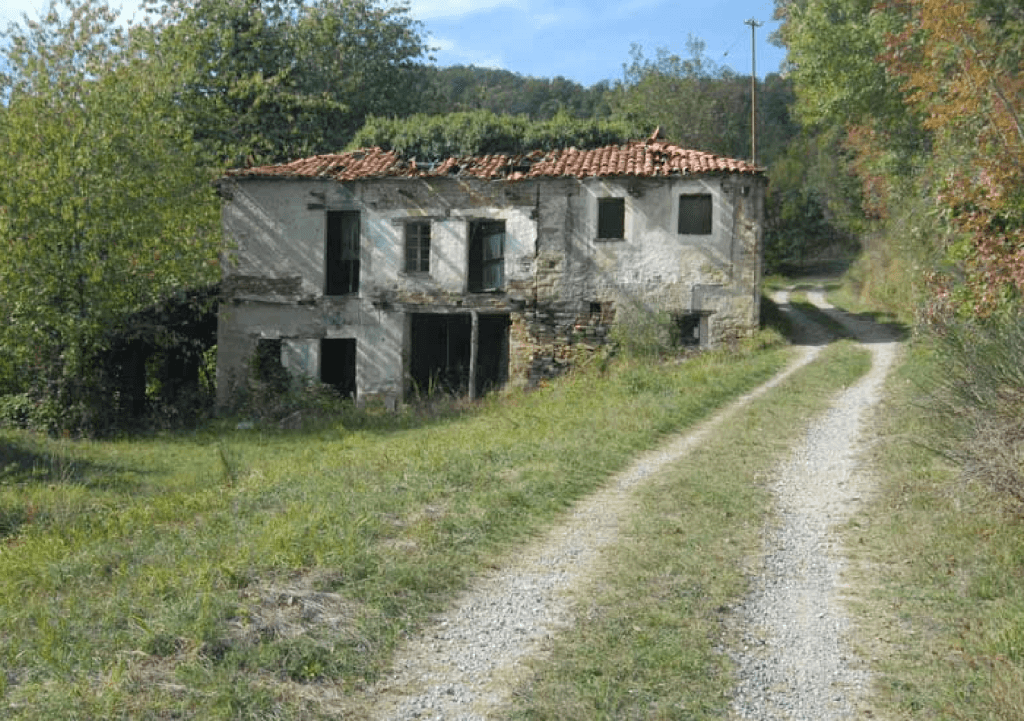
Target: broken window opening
266	361
342	254
417	247
695	214
338	365
689	329
486	255
611	218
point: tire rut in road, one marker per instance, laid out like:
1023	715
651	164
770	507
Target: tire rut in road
794	660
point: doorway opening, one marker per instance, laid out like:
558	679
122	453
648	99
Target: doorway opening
338	365
443	359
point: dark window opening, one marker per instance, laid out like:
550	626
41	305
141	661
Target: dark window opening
611	218
595	311
338	365
342	256
689	329
441	353
417	247
486	255
267	367
695	214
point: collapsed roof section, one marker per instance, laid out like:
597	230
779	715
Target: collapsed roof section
648	158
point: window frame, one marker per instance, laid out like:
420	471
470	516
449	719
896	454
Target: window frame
342	254
481	258
417	247
618	221
703	225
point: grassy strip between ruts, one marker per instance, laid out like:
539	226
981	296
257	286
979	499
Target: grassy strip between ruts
943	563
253	574
649	637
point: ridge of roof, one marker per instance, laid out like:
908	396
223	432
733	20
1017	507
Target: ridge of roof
653	157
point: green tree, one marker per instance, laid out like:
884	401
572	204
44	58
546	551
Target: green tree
462	88
479	132
696	103
273	80
103	207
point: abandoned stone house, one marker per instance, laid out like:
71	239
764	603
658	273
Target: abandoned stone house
382	275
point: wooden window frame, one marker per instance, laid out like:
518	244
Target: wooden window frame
417	246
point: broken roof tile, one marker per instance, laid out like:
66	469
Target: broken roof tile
649	158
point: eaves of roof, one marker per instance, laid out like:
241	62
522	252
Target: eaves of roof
642	159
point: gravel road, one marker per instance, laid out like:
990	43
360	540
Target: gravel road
469	660
794	661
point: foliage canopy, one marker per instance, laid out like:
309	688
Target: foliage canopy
104	207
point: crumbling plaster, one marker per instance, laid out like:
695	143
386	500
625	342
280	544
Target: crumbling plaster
555	267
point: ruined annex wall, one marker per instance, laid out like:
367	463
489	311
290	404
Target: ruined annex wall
583	282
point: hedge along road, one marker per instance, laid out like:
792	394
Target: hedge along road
468	662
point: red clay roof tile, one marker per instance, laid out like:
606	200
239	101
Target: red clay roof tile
649	158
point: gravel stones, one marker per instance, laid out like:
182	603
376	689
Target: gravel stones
793	661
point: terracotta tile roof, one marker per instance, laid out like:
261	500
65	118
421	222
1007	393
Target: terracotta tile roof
648	158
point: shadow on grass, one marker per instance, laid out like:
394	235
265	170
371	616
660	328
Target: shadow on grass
803	323
27	462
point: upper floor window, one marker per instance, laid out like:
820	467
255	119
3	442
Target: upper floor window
486	255
695	214
611	218
342	256
417	247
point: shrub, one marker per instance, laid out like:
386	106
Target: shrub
978	400
643	333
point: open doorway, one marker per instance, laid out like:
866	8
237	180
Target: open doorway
441	357
338	365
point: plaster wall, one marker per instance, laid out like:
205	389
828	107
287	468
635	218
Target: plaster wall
556	270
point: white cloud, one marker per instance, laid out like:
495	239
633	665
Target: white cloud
449	53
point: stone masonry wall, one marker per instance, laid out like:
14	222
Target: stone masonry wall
563	285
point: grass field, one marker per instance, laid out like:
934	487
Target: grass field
234	574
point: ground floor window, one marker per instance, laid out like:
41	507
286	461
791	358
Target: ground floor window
689	329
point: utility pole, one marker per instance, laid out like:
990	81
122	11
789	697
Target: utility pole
754	25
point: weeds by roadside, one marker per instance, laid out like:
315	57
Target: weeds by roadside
941	560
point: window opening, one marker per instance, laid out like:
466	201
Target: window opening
695	214
342	257
611	218
267	367
486	255
338	365
689	329
417	247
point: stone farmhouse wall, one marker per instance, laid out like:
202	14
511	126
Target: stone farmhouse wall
563	285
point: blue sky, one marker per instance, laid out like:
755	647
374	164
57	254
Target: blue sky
583	40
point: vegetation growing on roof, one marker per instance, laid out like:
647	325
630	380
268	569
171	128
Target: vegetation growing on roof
482	132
